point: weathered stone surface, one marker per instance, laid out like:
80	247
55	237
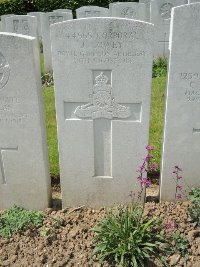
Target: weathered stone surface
24	172
22	24
147	8
160	17
182	124
129	10
38	16
92	11
102	72
3	22
193	1
48	19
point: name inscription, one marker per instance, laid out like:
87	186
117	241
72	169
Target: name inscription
193	80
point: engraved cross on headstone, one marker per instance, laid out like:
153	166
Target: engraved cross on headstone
103	109
2	167
165	43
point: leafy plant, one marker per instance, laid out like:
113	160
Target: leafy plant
194	196
47	79
160	67
17	218
181	244
125	237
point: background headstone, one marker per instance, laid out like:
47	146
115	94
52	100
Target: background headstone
3	22
147	8
63	10
48	19
129	10
92	11
38	16
102	73
22	24
182	119
160	17
24	170
193	1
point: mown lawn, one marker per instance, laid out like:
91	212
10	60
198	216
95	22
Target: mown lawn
156	123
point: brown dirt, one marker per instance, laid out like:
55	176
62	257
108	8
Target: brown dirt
66	239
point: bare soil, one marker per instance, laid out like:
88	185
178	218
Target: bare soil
66	238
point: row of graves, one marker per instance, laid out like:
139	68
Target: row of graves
37	24
103	72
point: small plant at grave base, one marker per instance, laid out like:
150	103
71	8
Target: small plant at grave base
47	79
159	67
125	236
178	178
194	211
181	244
17	218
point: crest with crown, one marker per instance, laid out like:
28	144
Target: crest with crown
102	103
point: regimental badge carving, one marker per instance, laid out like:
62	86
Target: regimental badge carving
165	10
102	103
128	12
4	71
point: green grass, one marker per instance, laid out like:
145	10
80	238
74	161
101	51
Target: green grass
42	64
157	116
16	218
49	104
156	122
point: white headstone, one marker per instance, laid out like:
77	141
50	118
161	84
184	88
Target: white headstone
92	11
111	5
24	172
102	72
129	10
3	22
38	16
48	19
182	119
63	10
22	24
160	17
147	8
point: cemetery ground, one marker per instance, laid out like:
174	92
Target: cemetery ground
65	237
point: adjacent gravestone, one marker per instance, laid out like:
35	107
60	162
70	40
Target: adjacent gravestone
38	16
102	73
24	172
182	124
111	5
193	1
22	24
3	22
92	11
129	10
147	8
160	17
63	10
48	19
